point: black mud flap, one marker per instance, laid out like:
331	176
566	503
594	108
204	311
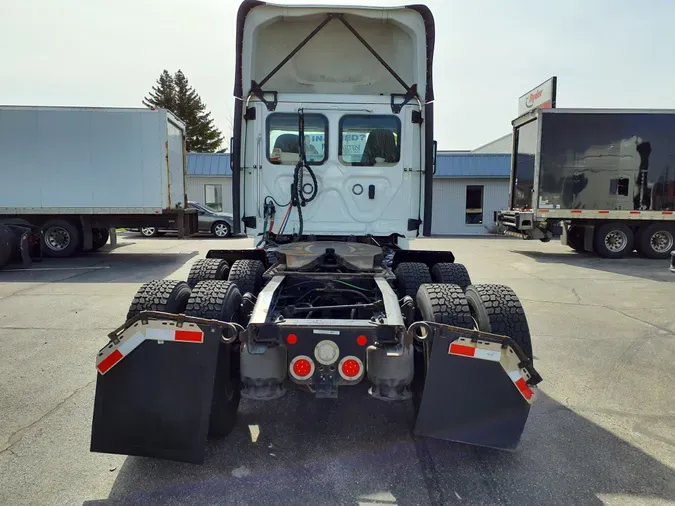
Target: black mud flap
470	400
156	402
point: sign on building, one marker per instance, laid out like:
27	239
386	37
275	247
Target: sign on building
541	97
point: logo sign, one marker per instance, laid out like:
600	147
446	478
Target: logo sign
541	97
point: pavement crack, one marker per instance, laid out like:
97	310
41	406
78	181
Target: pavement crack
19	434
640	320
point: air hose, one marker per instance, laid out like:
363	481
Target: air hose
298	197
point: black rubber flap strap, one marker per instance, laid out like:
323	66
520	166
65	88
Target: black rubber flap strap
156	402
469	400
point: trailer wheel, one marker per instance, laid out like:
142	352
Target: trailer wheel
101	236
440	303
575	238
6	241
410	276
207	269
221	300
454	274
614	240
61	238
496	309
247	275
656	240
165	295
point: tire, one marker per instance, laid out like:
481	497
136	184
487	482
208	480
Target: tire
61	239
247	275
575	239
208	269
221	229
454	274
165	295
6	242
440	303
101	236
656	240
496	309
221	300
613	240
149	232
410	276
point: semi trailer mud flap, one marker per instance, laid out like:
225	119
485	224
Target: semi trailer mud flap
154	390
478	388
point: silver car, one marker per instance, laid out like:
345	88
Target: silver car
210	222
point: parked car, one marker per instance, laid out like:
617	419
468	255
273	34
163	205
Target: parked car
210	221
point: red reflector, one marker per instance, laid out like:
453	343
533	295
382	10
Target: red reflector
351	368
576	210
110	361
459	349
189	336
524	389
292	339
302	367
362	340
667	212
603	212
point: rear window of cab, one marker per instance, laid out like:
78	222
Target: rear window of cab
370	140
283	143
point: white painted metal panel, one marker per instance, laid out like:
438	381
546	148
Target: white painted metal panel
84	161
449	205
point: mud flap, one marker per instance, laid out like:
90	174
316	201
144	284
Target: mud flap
473	400
156	402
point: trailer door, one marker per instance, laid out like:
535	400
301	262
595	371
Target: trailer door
176	164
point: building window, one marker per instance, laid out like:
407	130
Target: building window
283	146
370	140
474	205
213	196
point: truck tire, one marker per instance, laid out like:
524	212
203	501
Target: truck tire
613	240
575	238
440	303
410	276
656	240
221	300
454	274
207	269
164	295
61	238
496	309
101	236
6	245
247	275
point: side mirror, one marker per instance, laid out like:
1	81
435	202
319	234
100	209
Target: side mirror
435	148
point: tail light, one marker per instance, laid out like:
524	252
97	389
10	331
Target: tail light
302	367
351	368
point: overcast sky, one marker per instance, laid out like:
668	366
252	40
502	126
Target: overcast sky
606	53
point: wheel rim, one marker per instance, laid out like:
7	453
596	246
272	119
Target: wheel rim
221	230
662	241
616	241
57	238
148	231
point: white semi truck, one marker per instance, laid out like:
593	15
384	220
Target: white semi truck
606	178
333	158
77	172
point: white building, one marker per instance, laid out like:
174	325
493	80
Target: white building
468	187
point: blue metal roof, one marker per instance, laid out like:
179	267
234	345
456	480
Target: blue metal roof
448	164
208	164
473	165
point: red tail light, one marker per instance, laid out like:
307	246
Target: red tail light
351	368
302	367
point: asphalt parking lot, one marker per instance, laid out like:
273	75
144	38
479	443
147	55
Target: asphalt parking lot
602	432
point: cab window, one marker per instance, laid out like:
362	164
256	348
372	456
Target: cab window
370	140
283	146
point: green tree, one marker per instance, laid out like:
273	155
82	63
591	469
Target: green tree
176	94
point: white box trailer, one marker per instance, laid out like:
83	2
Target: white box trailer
78	172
